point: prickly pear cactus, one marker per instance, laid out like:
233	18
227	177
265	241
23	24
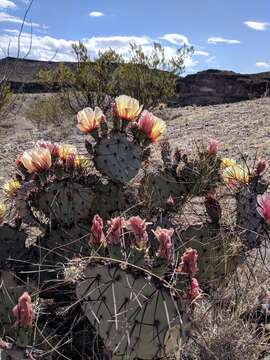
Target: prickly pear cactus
118	157
218	255
63	202
134	314
248	220
12	242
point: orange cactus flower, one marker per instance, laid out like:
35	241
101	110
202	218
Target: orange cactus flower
127	108
151	125
36	160
89	119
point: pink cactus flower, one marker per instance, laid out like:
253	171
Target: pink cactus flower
263	207
71	161
137	226
23	311
188	265
193	292
164	237
170	202
146	122
264	299
213	147
97	236
261	167
115	231
53	148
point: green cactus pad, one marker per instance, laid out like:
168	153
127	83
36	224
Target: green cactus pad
248	220
216	259
117	157
112	200
132	313
158	187
63	202
12	243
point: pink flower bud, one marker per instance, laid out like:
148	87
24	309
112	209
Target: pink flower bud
137	226
188	265
263	207
23	311
115	231
213	147
193	291
261	167
97	236
164	237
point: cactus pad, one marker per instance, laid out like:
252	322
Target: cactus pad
117	157
216	259
12	243
248	220
63	202
132	313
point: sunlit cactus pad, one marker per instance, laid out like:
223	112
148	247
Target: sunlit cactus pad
131	312
117	157
64	202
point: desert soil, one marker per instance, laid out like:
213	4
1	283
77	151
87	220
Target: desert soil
243	129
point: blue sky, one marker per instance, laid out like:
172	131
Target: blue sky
226	34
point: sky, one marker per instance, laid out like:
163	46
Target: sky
226	34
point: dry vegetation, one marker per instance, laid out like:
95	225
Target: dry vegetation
225	325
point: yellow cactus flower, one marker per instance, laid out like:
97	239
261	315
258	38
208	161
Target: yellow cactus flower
157	130
235	174
89	119
127	108
225	162
66	150
2	212
37	159
11	187
82	161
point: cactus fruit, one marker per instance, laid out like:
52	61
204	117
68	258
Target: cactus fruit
133	314
117	157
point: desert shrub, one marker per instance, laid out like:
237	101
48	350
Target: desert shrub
149	77
5	95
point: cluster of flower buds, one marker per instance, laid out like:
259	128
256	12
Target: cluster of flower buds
131	232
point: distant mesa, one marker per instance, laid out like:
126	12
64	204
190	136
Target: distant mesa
203	88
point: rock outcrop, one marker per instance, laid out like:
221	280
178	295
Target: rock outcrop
204	88
218	87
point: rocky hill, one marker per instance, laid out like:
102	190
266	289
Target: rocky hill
204	88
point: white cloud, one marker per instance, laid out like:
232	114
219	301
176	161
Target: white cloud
49	48
7	4
5	17
256	25
217	40
201	53
212	58
96	14
176	39
263	65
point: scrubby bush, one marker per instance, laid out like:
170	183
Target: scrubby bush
150	77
